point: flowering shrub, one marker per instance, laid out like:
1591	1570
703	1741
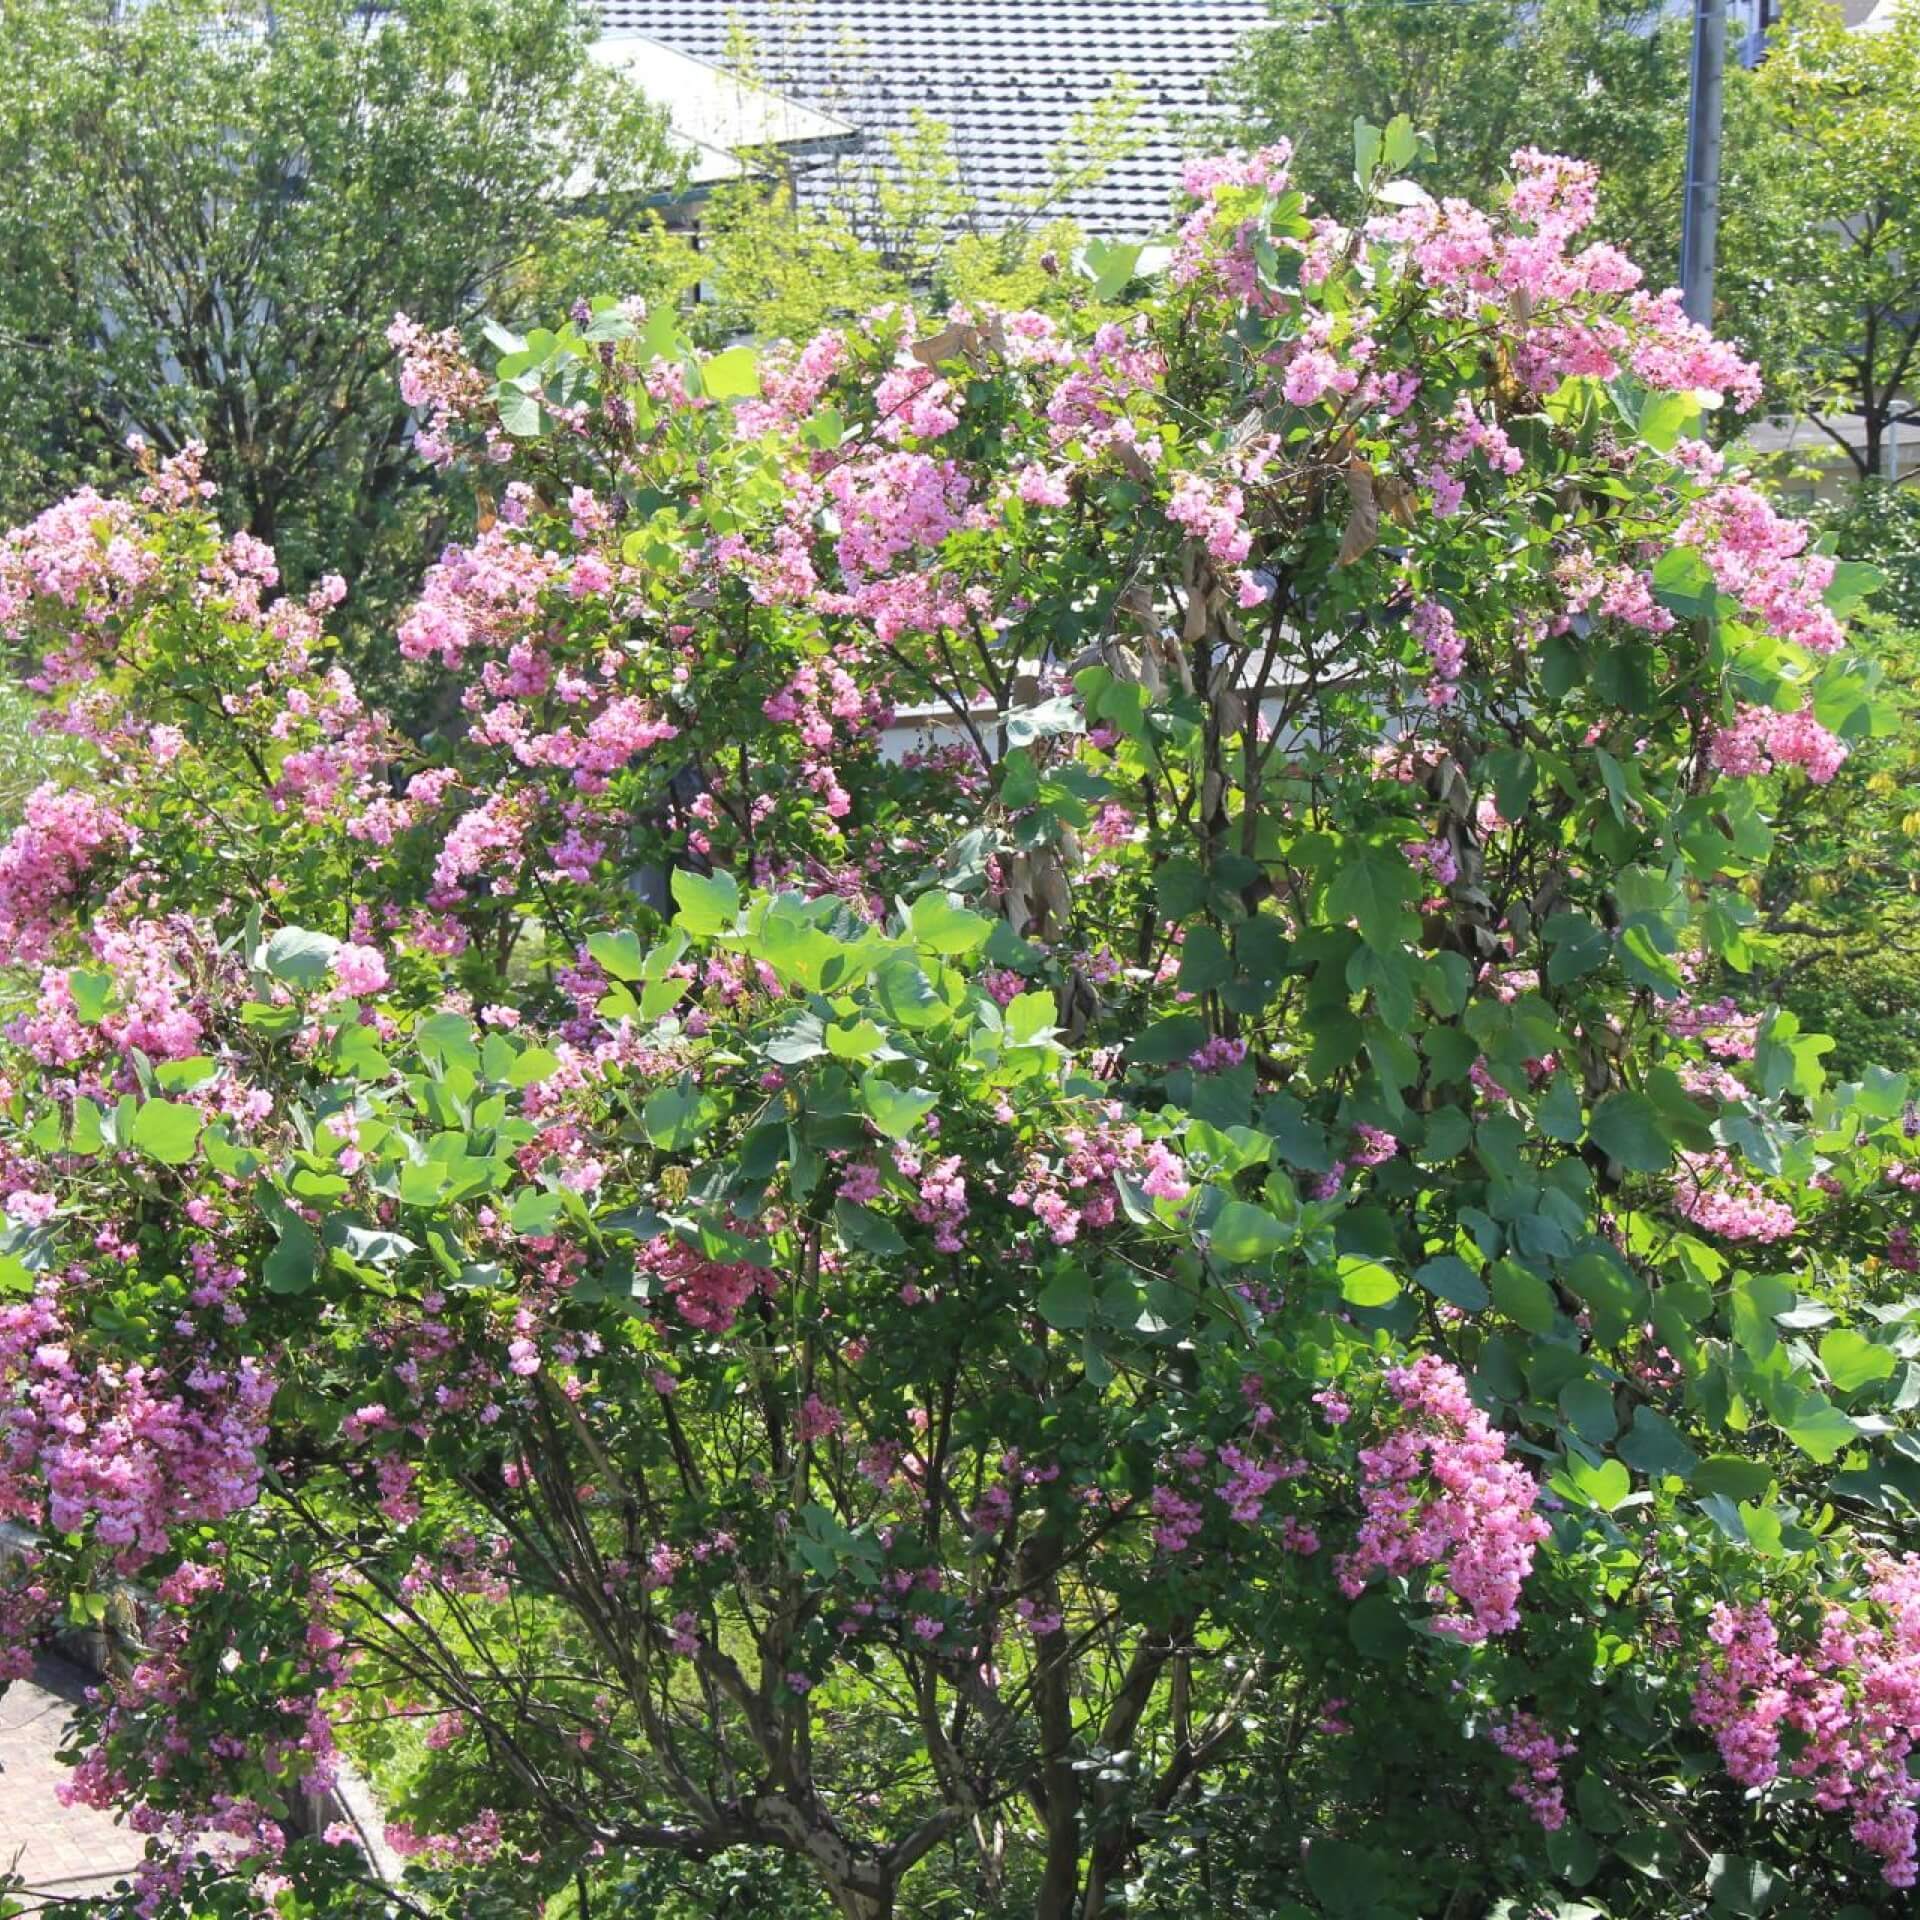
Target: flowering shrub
1039	1123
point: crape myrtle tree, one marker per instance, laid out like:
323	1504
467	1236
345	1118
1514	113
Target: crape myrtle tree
1204	1294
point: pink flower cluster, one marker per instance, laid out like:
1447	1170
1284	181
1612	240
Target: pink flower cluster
1849	1694
1710	1191
1526	1742
62	832
1077	1191
1761	739
707	1294
1443	1499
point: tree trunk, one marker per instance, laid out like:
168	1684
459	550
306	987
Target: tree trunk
864	1903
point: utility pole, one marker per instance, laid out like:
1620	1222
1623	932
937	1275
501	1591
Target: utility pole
1700	211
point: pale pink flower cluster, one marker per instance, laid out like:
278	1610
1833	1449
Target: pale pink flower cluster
1761	739
1211	512
890	503
439	381
475	1844
791	383
1433	859
1719	1025
1758	557
942	1203
1218	1055
707	1294
1442	1499
1197	254
1709	1191
359	969
126	1453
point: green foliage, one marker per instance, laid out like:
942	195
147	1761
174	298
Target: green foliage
28	756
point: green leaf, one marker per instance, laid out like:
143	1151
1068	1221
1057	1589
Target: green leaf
1109	265
1588	1407
1030	1017
855	1041
1653	1446
1665	417
289	1268
534	1064
535	1212
1448	1134
1351	1882
1365	1283
1579	948
1613	1296
733	375
1733	1475
1377	1629
1453	1280
864	1231
941	927
708	903
167	1131
1558	1114
1627	1126
1604	1485
1852	1361
905	993
1852	582
1818	1428
1739	1886
1066	1301
448	1039
92	994
1683	583
1399	144
1367	148
87	1136
896	1111
300	956
1515	774
1523	1297
519	412
1242	1234
676	1116
1371	889
618	954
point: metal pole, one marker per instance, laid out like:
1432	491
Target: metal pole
1700	210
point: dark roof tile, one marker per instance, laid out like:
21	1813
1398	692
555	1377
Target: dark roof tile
1008	76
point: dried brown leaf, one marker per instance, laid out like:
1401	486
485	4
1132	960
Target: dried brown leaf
961	341
1363	518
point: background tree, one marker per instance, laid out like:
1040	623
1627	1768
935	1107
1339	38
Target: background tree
217	206
1821	223
1601	79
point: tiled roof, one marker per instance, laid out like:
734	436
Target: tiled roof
1008	76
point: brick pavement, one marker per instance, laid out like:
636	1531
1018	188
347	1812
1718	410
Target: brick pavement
58	1850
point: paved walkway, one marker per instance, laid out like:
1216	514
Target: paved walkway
57	1850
